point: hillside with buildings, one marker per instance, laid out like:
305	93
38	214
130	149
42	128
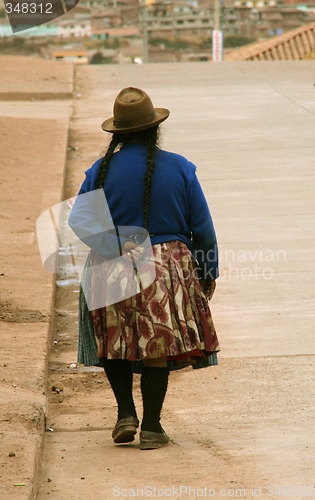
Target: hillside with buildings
101	31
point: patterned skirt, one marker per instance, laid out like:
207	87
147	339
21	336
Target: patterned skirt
169	318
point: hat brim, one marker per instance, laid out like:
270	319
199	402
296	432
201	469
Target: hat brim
161	115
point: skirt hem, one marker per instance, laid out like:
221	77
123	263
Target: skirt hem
137	365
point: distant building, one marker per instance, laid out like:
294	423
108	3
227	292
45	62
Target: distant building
270	21
127	9
106	19
187	19
110	33
74	28
75	53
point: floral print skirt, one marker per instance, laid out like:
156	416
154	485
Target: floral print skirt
169	318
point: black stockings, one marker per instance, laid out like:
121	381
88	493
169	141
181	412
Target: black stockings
154	382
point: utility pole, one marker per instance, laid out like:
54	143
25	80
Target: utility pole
145	51
217	15
217	33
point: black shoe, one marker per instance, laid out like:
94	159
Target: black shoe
153	440
125	430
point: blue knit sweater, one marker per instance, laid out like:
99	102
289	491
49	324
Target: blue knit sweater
178	209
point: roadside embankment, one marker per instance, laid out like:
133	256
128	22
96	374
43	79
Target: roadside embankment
32	78
33	144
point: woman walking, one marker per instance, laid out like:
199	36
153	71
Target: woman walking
166	325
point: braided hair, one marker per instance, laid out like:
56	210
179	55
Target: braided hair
150	138
105	161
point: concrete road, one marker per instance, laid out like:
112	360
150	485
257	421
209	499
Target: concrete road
243	428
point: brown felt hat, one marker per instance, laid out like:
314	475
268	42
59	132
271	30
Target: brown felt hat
133	111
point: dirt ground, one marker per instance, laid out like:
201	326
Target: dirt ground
34	78
33	145
241	429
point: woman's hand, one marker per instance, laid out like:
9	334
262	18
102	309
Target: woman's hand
132	249
208	287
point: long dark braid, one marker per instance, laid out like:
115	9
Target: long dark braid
105	161
151	150
150	138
